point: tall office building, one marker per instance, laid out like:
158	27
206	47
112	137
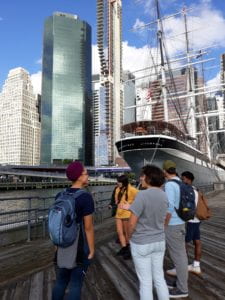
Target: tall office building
19	121
222	76
109	38
66	90
99	123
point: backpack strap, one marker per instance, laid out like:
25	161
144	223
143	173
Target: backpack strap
76	194
179	183
175	180
73	195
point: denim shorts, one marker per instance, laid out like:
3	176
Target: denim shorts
192	232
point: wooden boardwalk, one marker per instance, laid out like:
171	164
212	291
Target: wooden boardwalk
209	286
27	272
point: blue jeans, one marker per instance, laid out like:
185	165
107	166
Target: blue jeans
148	261
74	277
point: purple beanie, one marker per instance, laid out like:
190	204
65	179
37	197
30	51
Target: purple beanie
74	170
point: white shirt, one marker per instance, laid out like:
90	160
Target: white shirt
195	220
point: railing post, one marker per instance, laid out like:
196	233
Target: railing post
44	220
29	220
43	226
102	212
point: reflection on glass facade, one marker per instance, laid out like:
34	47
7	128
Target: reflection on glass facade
101	143
66	90
100	120
129	98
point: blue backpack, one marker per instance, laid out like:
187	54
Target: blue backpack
62	226
187	208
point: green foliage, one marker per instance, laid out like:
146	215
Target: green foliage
131	176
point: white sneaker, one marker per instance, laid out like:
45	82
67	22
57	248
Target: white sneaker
171	272
193	269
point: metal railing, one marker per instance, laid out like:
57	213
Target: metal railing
206	188
30	212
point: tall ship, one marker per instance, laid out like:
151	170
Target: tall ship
176	125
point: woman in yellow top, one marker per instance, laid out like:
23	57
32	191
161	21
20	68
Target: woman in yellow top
124	194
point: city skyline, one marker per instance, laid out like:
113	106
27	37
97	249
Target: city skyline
22	31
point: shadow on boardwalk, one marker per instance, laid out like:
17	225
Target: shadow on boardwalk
27	271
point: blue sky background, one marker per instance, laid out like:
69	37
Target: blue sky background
22	23
21	29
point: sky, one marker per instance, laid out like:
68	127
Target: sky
22	24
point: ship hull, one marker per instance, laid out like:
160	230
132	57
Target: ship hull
139	151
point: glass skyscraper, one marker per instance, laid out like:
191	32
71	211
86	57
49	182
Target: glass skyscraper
66	91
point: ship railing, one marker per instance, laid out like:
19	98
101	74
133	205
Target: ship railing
30	214
154	132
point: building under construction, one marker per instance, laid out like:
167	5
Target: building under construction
109	39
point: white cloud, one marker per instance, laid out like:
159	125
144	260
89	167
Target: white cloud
206	27
39	61
36	81
139	59
138	24
214	81
149	5
133	59
206	1
207	24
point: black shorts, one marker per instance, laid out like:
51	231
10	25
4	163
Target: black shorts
192	232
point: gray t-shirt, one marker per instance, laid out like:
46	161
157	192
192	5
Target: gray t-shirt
150	206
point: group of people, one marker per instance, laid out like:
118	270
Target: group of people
147	224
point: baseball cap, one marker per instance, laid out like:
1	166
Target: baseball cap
169	164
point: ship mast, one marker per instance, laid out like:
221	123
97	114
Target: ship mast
164	92
190	80
191	92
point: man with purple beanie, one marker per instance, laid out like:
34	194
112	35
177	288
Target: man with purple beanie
72	273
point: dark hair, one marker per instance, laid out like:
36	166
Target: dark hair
154	175
124	189
188	175
123	179
171	171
